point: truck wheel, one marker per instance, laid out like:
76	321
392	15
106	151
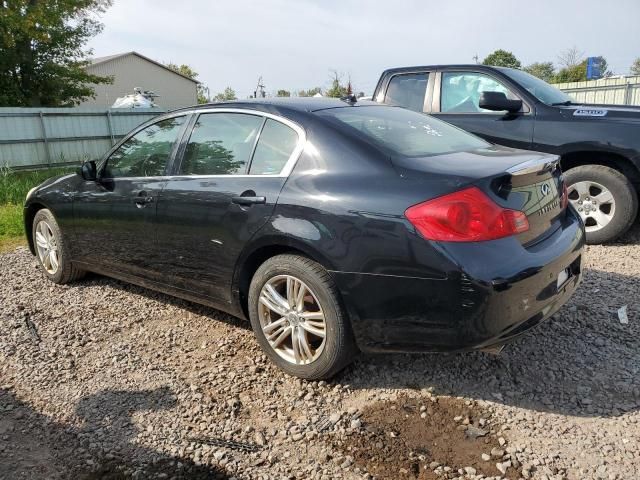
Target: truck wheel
296	315
605	200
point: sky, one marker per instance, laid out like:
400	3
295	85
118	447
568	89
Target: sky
296	44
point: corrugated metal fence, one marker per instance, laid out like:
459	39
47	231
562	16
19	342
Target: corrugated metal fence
39	137
616	91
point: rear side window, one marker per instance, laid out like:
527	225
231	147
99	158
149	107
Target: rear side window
221	144
403	132
407	91
276	144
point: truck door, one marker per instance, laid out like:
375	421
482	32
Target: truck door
455	100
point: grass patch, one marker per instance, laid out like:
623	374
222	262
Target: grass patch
11	227
14	186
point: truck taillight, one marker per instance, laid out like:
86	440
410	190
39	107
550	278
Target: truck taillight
465	216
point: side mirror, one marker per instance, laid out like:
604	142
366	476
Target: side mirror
498	102
88	171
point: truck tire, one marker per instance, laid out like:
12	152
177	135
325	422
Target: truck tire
605	200
297	317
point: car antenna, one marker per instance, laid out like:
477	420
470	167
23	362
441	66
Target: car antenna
350	98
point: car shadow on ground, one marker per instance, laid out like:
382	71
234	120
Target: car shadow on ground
582	362
32	445
214	314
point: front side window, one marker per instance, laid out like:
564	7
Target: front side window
407	91
539	88
275	146
460	91
221	144
147	153
403	132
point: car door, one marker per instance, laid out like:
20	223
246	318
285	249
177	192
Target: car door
233	166
114	217
455	100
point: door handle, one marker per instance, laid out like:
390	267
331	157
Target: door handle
248	201
143	199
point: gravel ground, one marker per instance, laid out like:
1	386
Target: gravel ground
104	380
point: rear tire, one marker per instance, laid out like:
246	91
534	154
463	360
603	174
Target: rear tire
293	299
52	249
604	221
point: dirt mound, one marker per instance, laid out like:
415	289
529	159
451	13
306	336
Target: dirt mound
427	439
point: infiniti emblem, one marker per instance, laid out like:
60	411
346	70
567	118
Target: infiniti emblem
545	189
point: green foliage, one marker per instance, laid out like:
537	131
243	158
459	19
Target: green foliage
187	71
14	185
13	190
337	89
576	73
228	94
635	67
542	70
283	93
11	224
42	60
502	58
310	92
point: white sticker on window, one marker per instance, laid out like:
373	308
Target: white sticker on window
589	112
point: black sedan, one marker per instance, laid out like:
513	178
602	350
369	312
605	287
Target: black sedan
333	226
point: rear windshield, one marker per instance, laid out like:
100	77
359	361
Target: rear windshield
404	132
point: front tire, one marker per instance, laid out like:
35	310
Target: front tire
297	318
52	249
605	200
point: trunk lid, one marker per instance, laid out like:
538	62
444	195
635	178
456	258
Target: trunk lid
530	182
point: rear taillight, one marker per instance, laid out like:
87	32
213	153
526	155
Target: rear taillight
465	216
564	198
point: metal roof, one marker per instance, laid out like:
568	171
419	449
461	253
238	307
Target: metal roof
108	58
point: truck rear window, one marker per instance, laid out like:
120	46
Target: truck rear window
404	132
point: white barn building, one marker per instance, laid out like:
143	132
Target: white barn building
130	70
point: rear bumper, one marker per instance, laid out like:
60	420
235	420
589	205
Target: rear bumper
493	292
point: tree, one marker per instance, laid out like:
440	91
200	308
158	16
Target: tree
576	73
201	89
604	67
542	70
310	92
635	67
337	90
571	57
42	55
228	94
502	58
283	93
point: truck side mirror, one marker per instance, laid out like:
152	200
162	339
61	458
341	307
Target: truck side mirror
498	102
88	171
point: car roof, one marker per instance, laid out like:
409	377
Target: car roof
301	104
449	66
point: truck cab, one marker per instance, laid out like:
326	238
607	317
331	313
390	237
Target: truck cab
598	145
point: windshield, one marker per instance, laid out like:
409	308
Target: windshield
538	88
405	132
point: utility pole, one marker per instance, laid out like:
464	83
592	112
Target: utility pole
259	88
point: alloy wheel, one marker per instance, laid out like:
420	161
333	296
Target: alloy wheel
47	246
292	319
594	202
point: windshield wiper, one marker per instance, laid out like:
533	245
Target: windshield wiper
567	103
